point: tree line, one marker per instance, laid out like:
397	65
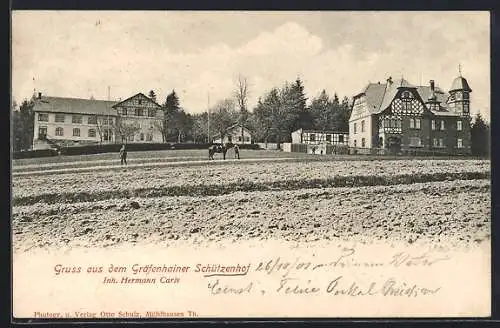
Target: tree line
278	112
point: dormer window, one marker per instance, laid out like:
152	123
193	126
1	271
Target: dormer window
406	95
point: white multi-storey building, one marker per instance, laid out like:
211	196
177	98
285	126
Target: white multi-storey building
71	121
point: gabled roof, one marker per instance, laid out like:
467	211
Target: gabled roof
391	91
232	127
138	94
379	96
374	94
74	106
441	96
321	131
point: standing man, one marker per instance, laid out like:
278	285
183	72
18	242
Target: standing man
123	155
236	151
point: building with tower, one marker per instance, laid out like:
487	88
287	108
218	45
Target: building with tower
401	117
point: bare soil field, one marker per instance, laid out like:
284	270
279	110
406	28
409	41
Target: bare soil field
401	200
205	179
454	212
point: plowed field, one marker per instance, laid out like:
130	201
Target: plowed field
400	200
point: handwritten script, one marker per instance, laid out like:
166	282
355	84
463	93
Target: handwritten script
303	276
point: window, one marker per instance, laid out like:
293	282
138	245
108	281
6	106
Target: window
239	139
441	143
140	101
59	132
149	137
131	137
362	142
247	139
142	136
341	138
433	125
312	137
363	126
355	143
76	132
329	137
110	121
77	119
417	123
466	108
107	134
59	118
139	112
415	142
355	128
460	143
459	125
442	124
92	133
42	132
151	112
124	112
43	117
412	123
435	142
92	120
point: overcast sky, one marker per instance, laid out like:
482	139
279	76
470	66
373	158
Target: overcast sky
80	54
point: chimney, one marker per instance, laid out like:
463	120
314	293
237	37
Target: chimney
39	95
432	95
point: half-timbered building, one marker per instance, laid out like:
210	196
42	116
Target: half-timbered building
400	116
317	137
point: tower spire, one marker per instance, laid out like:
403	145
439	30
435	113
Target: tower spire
460	70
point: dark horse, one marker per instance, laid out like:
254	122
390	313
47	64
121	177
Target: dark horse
219	148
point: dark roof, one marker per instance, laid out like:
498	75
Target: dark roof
137	94
380	95
322	131
460	83
74	106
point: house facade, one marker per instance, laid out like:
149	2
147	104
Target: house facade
402	117
314	137
139	119
72	121
236	133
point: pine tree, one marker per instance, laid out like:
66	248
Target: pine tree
171	116
321	111
480	137
303	119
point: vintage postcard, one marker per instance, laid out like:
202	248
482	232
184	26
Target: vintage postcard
204	164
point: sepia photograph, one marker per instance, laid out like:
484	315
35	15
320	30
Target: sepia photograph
250	164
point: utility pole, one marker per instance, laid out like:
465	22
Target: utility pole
208	112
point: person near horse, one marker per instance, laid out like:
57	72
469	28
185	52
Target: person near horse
236	151
216	149
123	155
